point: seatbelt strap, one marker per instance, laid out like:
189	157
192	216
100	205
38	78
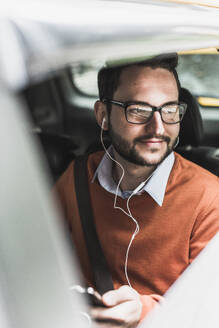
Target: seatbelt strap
101	273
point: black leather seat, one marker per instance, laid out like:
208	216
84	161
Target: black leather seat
59	151
191	136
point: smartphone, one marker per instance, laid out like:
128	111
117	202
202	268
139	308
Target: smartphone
92	296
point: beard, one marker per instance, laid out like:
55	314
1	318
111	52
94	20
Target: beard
128	150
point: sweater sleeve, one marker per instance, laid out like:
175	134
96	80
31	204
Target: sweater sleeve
205	227
148	303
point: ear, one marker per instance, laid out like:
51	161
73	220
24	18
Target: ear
101	114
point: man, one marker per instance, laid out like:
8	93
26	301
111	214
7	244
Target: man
167	206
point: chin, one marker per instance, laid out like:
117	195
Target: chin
154	159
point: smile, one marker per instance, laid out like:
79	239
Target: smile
152	141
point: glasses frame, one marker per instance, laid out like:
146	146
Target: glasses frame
125	105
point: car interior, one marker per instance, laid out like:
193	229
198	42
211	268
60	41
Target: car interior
65	125
50	55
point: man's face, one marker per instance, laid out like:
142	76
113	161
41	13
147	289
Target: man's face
145	144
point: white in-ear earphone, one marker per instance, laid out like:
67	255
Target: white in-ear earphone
103	121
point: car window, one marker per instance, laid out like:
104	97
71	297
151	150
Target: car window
197	72
200	74
85	79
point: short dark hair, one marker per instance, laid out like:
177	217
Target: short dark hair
109	77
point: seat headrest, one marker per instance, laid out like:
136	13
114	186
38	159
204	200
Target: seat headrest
59	151
191	127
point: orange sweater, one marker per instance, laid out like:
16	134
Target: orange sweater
170	236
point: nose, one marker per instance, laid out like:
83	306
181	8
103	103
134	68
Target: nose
155	125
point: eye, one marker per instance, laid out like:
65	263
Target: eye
170	109
140	110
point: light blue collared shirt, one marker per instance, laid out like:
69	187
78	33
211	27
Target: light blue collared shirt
155	186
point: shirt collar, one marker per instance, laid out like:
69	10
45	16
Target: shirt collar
155	187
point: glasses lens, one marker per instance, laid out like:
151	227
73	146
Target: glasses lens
173	113
138	113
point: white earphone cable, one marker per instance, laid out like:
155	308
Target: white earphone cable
131	240
123	172
137	227
129	214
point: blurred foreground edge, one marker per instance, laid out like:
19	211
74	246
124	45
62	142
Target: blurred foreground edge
192	301
36	268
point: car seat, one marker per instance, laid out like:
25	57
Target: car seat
191	136
59	151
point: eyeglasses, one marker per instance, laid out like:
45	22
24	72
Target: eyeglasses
141	112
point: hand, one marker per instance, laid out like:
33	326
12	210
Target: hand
122	309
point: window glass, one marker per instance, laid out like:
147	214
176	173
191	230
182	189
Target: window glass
200	74
85	80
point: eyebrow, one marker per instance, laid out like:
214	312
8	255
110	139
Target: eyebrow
144	102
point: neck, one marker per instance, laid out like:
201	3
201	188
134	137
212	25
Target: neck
134	174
